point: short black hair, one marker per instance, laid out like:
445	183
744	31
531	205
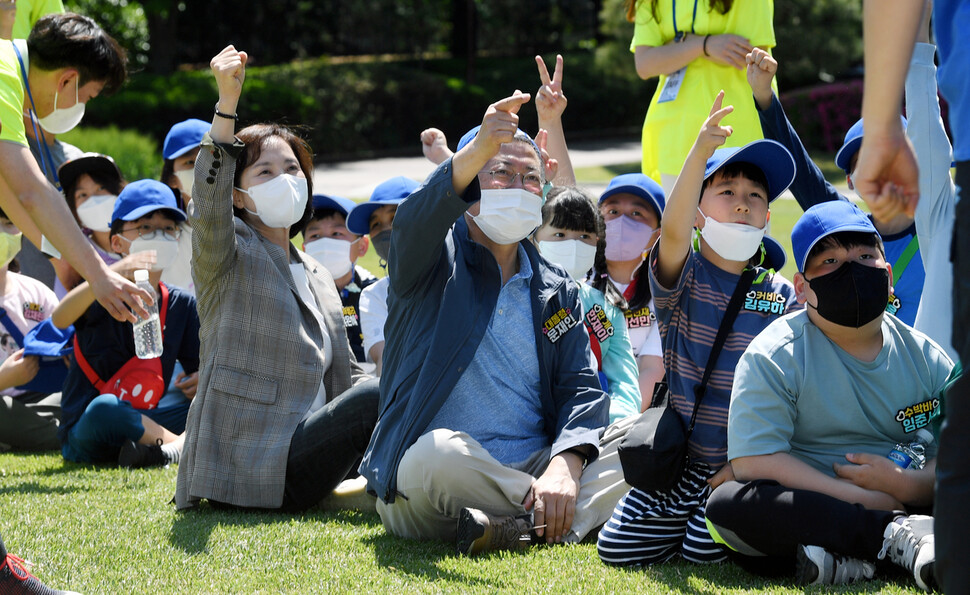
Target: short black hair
68	40
846	239
739	169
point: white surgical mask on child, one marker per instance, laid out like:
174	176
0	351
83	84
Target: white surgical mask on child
95	212
63	120
165	250
280	202
186	178
732	241
576	256
508	215
626	238
332	253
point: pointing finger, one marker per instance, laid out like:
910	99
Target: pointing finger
512	103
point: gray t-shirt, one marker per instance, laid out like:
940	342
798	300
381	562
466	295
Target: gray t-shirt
795	391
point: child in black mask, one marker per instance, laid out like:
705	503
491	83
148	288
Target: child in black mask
820	398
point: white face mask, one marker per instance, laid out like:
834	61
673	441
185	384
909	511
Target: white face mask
509	215
575	256
60	120
626	239
186	178
280	202
332	253
165	250
95	212
732	241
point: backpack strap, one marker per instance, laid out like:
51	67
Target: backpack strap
11	327
82	361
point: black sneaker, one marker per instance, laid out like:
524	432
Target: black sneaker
815	565
15	579
480	532
135	455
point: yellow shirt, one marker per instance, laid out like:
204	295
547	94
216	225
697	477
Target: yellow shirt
11	96
29	12
671	127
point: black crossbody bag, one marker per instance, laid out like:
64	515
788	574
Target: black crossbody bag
653	453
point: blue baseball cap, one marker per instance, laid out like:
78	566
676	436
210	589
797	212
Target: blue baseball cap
775	256
851	144
391	192
183	137
337	203
143	197
771	157
822	220
639	185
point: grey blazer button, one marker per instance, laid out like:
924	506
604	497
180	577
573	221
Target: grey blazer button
210	180
216	163
212	172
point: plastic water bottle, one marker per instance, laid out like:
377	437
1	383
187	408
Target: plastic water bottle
148	332
912	455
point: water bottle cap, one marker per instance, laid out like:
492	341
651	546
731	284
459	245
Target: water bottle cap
925	435
141	275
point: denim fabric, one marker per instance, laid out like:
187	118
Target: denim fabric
108	421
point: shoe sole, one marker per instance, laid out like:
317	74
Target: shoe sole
469	531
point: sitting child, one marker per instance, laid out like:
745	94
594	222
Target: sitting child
376	218
99	426
327	239
820	398
28	418
725	194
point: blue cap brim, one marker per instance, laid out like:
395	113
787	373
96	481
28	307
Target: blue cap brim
771	157
358	221
775	256
177	214
337	203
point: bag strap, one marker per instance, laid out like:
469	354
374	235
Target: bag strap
82	361
11	327
727	323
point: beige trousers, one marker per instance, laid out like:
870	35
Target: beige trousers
445	471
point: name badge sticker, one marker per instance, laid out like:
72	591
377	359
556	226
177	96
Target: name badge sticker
558	324
672	86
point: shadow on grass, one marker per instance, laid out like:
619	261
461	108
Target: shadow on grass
191	529
418	559
32	487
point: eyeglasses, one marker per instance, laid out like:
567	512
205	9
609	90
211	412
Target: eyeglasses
147	232
505	178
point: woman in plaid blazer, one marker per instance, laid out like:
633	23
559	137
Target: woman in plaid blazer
283	412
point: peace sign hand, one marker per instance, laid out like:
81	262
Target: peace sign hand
550	100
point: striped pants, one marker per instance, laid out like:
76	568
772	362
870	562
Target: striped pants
653	527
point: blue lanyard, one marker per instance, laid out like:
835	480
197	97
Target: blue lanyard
678	34
48	163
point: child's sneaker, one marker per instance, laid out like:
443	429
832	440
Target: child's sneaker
909	542
15	579
815	565
135	455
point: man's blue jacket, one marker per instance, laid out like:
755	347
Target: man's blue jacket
443	289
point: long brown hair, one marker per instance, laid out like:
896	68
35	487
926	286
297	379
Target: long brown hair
255	138
722	6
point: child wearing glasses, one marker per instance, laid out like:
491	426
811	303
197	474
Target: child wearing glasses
114	406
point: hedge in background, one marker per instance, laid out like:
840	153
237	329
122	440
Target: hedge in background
359	108
136	153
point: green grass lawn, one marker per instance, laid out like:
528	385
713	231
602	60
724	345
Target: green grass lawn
108	530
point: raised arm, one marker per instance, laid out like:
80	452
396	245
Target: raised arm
550	104
810	186
213	237
681	210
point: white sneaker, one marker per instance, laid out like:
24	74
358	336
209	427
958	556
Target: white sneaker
910	543
815	565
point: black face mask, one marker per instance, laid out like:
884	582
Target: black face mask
852	295
382	243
